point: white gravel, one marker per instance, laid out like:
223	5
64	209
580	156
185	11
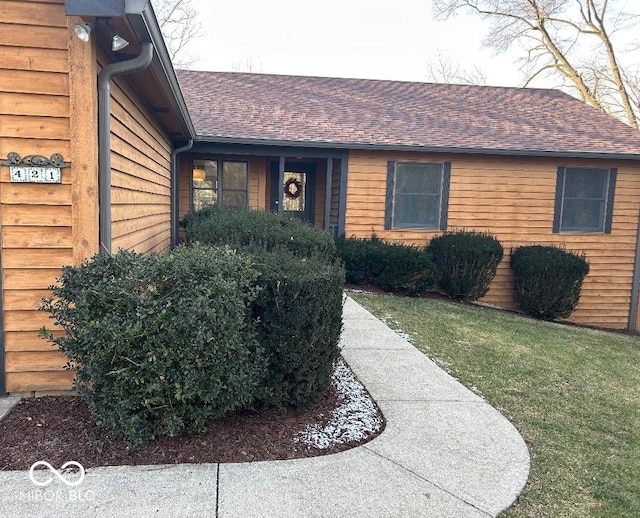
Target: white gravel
355	418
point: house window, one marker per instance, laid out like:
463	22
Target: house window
584	199
417	195
220	182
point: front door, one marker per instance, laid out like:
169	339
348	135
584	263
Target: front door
298	189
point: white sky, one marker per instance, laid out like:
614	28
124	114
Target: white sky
374	39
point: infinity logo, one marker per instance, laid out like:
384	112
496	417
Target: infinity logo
57	473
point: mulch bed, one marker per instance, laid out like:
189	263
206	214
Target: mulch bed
60	428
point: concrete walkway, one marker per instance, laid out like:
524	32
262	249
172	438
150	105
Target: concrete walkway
444	453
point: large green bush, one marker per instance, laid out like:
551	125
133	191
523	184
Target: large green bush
298	314
547	280
256	229
389	266
160	343
465	262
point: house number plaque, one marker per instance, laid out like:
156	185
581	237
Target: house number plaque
35	174
35	168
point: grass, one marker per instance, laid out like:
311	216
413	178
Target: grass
573	393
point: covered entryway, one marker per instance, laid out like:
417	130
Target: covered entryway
306	183
295	189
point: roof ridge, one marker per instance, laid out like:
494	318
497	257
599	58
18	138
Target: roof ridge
366	80
382	113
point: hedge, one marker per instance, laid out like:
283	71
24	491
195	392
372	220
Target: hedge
298	311
257	229
389	266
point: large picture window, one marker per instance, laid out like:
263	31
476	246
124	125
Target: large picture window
584	199
417	195
220	182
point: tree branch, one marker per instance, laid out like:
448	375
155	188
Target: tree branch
555	35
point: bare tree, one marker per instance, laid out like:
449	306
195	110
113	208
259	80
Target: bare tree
580	42
246	65
443	68
178	20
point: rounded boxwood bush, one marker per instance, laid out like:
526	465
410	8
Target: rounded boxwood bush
254	228
547	280
465	262
160	343
298	318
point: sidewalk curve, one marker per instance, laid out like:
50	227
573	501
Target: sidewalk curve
445	452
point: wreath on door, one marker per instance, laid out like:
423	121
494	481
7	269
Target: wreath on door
292	189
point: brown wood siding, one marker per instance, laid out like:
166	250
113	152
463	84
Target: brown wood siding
140	174
36	220
514	199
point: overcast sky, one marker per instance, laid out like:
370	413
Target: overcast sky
374	39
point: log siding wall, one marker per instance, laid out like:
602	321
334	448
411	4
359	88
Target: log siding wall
36	220
48	104
514	199
140	174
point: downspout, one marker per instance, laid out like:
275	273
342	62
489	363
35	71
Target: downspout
635	287
140	62
175	192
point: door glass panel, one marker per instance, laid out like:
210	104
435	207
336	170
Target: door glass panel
295	186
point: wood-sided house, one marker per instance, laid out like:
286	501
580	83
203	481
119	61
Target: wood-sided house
406	161
116	120
141	146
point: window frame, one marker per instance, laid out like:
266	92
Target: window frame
606	221
219	190
443	197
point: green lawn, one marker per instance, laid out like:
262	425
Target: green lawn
574	395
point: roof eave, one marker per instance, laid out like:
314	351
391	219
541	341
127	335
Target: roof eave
103	8
417	148
147	28
143	22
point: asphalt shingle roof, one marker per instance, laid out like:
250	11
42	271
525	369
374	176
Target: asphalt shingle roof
379	114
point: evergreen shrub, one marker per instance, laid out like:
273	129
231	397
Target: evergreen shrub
389	266
160	343
256	229
465	262
298	312
298	318
547	280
